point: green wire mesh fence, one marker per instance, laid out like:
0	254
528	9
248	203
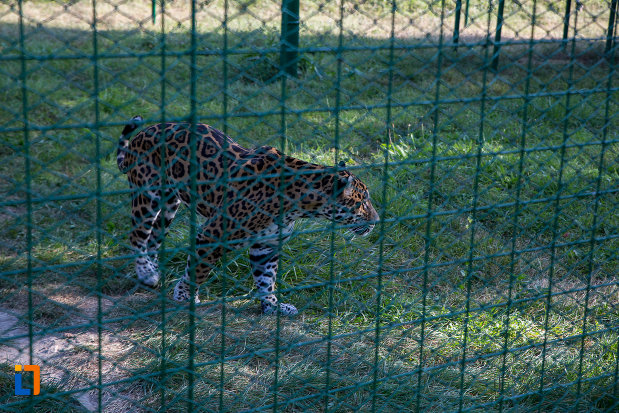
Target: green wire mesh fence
485	131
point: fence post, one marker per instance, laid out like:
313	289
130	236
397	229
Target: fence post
611	27
466	14
566	20
289	56
456	35
497	36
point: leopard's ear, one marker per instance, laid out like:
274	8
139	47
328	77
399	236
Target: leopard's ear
344	180
344	184
268	152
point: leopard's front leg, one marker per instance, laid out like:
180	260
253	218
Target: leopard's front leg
264	262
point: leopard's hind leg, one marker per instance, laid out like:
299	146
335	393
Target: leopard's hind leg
264	263
208	252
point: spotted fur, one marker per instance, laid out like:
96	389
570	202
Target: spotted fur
247	197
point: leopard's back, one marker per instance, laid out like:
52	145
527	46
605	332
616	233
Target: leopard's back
213	148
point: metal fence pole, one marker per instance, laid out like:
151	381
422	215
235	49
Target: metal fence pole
561	184
193	260
566	20
163	364
289	57
610	36
497	36
466	13
456	36
98	224
337	112
514	256
382	213
474	214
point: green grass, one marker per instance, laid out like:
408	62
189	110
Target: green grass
514	287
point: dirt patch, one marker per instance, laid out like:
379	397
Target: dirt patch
70	359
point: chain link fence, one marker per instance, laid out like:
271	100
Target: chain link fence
486	132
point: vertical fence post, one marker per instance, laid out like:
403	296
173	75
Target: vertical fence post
225	202
98	268
383	211
456	36
163	364
466	14
566	20
283	139
556	229
473	217
516	222
336	146
611	27
289	56
497	36
429	238
192	261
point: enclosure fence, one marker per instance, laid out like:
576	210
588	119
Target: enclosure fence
486	132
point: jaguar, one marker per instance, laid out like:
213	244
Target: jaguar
247	198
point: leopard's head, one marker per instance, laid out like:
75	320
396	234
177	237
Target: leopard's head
352	204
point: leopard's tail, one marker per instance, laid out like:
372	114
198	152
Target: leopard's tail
123	142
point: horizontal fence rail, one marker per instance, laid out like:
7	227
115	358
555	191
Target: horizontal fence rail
253	205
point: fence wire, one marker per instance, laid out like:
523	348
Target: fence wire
485	131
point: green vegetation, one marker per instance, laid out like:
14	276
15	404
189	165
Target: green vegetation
510	279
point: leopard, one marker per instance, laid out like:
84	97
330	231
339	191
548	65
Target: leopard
246	198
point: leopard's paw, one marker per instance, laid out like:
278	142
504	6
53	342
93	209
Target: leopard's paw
181	293
288	309
147	271
269	308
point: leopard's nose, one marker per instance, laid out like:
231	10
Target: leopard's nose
375	216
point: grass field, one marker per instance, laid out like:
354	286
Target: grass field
491	283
